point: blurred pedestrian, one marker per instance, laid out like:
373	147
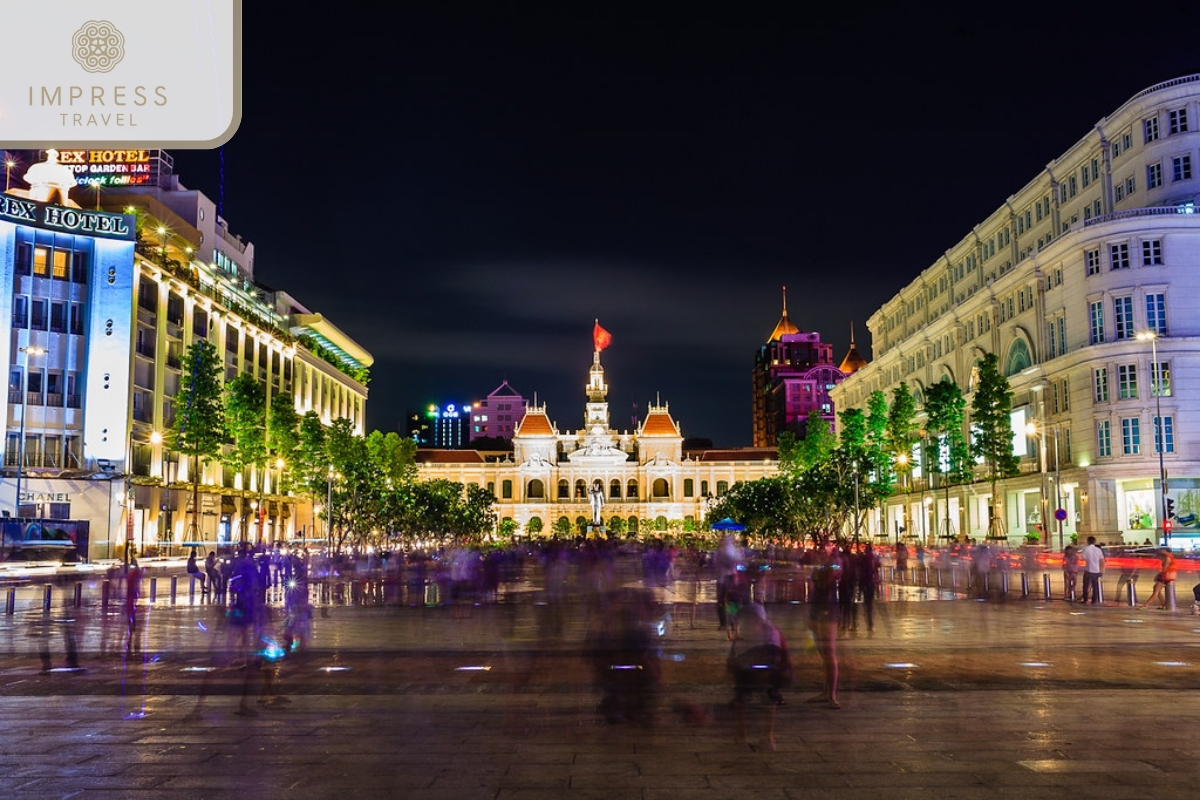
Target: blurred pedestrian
133	592
1070	572
728	560
869	578
1166	576
758	662
823	621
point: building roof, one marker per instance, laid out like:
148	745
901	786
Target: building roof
505	390
448	457
741	454
535	423
785	325
853	361
658	422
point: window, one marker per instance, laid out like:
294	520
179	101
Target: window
20	313
1122	318
1100	384
1150	129
1118	256
1167	435
722	488
1127	381
1092	260
1096	314
506	490
1181	168
1131	436
1104	438
631	490
1154	176
1156	313
1118	192
1127	141
689	487
41	262
1130	186
1160	379
1066	394
1152	253
1177	121
564	490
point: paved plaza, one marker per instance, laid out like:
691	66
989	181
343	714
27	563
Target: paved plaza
947	697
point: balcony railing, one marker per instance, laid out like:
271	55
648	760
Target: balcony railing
145	349
72	401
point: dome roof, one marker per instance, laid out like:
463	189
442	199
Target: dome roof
853	360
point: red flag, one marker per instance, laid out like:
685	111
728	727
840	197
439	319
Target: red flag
600	337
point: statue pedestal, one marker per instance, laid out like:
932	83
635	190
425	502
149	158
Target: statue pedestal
597	531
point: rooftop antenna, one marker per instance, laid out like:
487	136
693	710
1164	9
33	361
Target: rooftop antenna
784	301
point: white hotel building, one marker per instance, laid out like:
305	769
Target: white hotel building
99	326
1101	246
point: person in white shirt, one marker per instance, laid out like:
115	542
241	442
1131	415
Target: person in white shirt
1093	568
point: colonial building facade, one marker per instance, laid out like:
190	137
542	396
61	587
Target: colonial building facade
648	484
1083	283
100	324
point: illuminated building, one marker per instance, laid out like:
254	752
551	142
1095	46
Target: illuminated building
793	374
1100	246
497	415
648	483
115	316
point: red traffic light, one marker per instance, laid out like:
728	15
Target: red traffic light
1167	525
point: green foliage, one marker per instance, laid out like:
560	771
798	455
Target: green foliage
945	406
991	408
283	437
507	528
199	429
311	468
535	526
901	433
245	420
618	526
562	527
991	422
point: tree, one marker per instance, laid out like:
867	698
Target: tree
245	420
535	526
951	458
562	527
617	526
991	423
818	442
902	428
311	468
199	428
283	436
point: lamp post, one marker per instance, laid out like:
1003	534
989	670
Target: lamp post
9	163
30	350
902	460
1032	429
156	439
1160	439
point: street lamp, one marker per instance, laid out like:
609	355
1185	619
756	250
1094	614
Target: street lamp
1160	439
8	168
28	351
902	460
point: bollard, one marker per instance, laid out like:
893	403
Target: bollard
192	590
914	576
174	586
46	599
105	591
78	595
1024	584
953	578
153	589
1046	586
10	602
939	577
1170	588
1004	583
1099	598
1131	592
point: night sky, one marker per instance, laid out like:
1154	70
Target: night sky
464	194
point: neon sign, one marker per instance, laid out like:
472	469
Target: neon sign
110	167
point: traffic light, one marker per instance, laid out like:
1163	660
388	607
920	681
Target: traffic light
1167	526
1170	509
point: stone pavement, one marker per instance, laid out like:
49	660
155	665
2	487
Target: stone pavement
953	698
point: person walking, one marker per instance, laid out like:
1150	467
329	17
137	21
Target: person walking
1093	568
823	621
133	592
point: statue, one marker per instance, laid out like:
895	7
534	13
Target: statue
50	181
597	502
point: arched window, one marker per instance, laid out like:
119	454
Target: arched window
614	489
536	490
660	523
506	490
633	524
580	490
660	488
564	490
704	488
689	487
631	490
722	488
1018	358
491	487
534	526
581	524
616	525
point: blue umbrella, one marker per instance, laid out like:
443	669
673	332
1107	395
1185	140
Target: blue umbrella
728	524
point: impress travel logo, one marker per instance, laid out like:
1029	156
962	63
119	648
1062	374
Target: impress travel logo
121	73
